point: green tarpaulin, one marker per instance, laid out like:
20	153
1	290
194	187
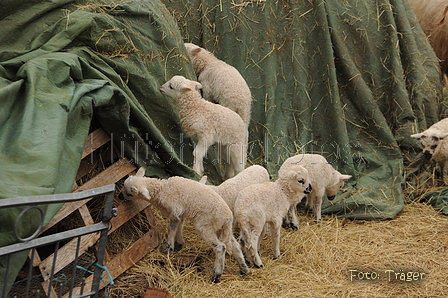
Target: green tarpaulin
347	79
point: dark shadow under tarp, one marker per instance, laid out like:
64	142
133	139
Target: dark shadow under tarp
347	79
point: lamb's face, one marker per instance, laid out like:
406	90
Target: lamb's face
299	179
338	182
134	187
430	142
178	85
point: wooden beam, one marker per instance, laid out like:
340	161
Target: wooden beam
112	174
126	259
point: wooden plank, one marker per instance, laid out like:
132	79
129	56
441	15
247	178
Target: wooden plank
112	174
126	259
126	211
66	254
95	140
84	215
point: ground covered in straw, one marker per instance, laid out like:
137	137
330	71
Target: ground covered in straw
333	258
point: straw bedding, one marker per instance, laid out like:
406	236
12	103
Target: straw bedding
332	258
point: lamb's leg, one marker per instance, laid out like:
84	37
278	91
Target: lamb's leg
211	237
238	155
238	255
440	166
275	233
179	239
172	231
199	152
318	208
290	220
234	248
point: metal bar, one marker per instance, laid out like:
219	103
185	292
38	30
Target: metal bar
98	227
107	214
75	263
30	271
56	198
5	283
50	281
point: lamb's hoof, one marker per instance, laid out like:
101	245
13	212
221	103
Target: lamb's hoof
259	265
244	270
216	277
178	246
294	227
166	249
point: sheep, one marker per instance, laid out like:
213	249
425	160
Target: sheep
208	123
179	199
222	83
267	203
435	146
324	178
431	16
229	189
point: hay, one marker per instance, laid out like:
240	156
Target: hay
315	261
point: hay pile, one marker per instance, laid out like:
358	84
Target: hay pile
315	262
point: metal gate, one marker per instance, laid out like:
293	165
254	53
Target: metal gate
53	285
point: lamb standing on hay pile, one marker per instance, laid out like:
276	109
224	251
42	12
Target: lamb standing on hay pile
267	202
435	146
208	123
221	82
431	15
229	189
324	179
179	199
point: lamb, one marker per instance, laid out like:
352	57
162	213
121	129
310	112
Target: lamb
324	178
435	146
208	123
229	189
222	83
267	202
431	16
179	199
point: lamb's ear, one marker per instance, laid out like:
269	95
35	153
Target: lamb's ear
344	177
141	172
185	88
197	86
146	194
203	180
195	51
417	136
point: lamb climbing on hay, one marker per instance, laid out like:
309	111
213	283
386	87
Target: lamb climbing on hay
269	203
229	189
435	146
208	123
431	15
324	179
221	82
179	199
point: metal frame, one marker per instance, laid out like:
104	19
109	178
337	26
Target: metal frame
32	242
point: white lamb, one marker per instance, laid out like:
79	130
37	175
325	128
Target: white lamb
221	82
179	199
208	123
435	146
229	189
269	203
324	179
